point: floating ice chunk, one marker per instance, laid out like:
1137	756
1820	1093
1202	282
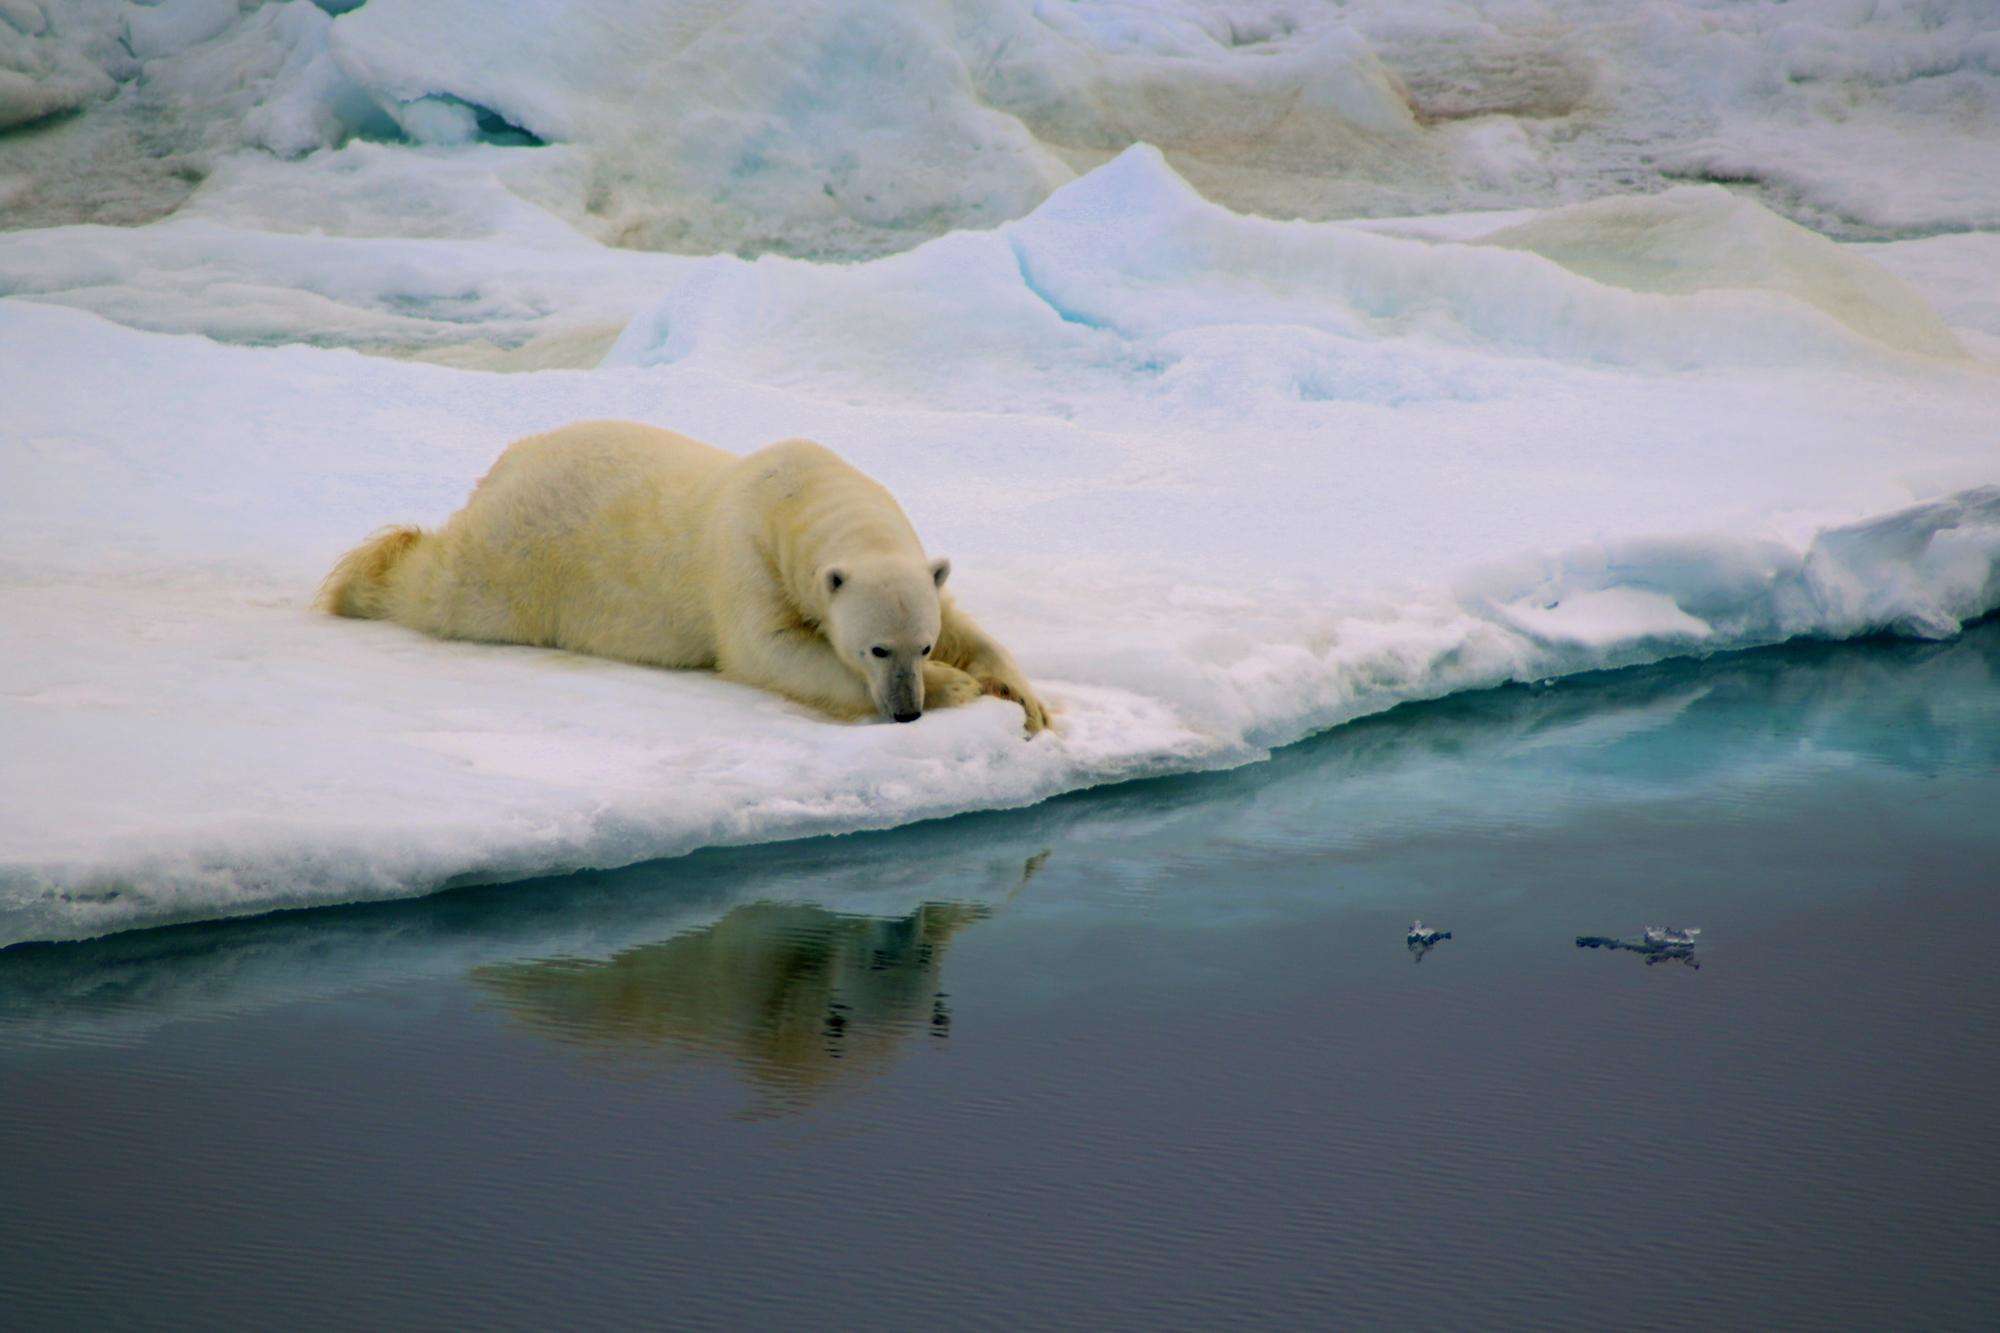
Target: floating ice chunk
1422	939
1656	944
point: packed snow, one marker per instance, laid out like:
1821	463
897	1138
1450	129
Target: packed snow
1222	461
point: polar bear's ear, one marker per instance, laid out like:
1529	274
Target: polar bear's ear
835	577
940	571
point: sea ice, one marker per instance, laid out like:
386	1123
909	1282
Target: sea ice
827	128
1219	481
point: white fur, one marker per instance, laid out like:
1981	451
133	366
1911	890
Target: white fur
786	569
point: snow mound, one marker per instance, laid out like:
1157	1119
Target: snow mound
1126	278
1698	239
1128	283
537	287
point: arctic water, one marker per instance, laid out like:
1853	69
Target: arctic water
1157	1054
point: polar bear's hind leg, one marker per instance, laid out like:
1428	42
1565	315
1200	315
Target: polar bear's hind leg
359	585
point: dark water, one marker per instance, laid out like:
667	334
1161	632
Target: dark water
1157	1055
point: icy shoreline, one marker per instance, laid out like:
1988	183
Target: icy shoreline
595	790
152	785
265	863
1754	731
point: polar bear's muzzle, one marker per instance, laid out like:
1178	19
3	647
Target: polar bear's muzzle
903	699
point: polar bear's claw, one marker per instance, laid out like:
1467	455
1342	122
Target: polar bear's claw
1017	691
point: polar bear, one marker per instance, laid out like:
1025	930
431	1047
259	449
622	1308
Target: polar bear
786	569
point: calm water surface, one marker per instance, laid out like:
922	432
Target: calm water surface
1156	1055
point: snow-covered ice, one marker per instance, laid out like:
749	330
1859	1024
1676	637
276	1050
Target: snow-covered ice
1219	479
858	127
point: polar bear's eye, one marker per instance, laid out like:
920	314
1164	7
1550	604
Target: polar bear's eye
927	650
879	651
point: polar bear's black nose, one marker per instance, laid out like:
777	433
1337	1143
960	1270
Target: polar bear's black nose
908	717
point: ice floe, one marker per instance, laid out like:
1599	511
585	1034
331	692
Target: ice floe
1219	481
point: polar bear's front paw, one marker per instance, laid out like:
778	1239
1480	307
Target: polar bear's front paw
1010	685
948	687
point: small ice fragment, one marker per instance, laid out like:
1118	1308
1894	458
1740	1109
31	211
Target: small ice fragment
1423	934
1422	937
1669	944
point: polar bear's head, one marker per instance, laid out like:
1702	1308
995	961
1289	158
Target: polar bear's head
882	620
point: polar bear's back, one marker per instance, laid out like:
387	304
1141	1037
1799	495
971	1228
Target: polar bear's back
590	537
571	473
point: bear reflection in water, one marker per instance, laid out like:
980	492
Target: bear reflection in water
791	993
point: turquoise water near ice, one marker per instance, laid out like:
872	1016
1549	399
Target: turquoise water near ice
1152	1055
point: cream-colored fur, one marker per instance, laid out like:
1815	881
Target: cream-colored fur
787	569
